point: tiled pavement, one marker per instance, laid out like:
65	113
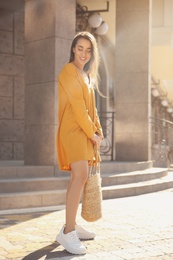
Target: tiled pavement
138	227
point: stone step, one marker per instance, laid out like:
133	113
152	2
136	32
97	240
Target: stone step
17	169
33	184
57	183
133	189
122	167
23	187
133	177
50	198
23	200
23	171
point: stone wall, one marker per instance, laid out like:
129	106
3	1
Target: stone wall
11	84
49	29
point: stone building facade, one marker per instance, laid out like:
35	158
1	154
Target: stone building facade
35	37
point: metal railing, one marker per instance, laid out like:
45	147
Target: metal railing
107	147
162	141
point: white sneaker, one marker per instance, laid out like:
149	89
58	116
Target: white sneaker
83	233
71	242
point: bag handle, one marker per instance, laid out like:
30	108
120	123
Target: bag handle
95	167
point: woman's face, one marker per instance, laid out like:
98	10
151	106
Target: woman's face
82	53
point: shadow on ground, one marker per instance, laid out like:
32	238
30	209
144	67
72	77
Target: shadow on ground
47	251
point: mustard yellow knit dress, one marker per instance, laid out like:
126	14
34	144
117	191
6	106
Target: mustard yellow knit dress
77	118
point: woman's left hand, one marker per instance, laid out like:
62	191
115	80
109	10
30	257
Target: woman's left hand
97	140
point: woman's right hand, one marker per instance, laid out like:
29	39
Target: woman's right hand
96	140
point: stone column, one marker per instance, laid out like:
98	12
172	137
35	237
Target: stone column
49	29
133	80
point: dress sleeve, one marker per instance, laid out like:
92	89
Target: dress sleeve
70	82
99	130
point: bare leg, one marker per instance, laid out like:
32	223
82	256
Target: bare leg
79	175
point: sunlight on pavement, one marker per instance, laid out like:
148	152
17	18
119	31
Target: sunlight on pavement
138	227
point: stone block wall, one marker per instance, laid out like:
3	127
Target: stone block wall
12	85
49	29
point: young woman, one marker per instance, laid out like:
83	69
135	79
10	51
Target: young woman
79	130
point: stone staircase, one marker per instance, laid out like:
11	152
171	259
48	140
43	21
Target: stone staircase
26	187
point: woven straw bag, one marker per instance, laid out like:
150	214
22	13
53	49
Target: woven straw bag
92	195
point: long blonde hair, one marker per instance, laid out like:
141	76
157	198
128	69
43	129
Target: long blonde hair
91	67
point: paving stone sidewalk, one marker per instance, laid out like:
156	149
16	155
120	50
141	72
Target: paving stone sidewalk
138	227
